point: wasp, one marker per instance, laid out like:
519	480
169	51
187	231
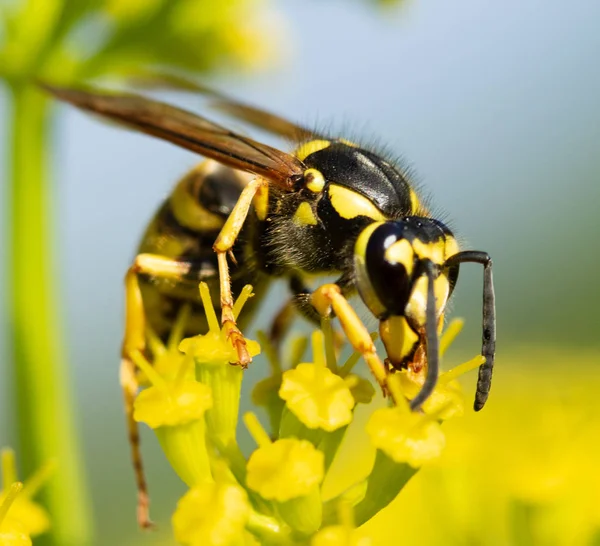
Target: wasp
251	213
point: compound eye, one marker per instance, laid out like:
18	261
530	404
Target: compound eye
390	262
385	272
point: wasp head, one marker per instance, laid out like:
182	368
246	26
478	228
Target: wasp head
395	262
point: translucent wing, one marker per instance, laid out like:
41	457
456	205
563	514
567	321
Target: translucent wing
187	130
258	117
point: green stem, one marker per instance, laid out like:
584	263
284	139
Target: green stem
384	483
45	413
386	480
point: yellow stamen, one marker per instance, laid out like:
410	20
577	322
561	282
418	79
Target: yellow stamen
209	309
393	384
178	330
242	299
149	371
256	430
318	340
452	330
13	491
39	478
9	468
157	347
329	344
461	369
182	371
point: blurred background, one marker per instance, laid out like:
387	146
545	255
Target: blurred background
496	107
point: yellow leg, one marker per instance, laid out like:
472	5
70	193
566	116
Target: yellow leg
222	247
329	297
134	341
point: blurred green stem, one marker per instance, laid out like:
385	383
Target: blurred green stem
45	422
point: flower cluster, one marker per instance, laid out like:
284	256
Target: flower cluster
66	41
275	495
20	516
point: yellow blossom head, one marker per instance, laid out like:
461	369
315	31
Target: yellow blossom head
26	516
318	397
447	399
12	531
19	514
446	396
172	404
285	469
213	348
213	513
406	437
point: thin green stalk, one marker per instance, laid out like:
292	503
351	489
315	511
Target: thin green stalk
46	428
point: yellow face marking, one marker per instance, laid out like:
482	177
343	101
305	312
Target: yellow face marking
304	215
436	252
347	142
416	308
398	338
315	180
350	204
401	252
311	147
261	202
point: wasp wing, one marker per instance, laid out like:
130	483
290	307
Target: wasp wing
257	117
187	130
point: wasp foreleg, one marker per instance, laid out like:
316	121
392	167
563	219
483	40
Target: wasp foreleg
328	298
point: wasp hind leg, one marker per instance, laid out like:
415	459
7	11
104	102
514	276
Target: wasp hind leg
222	247
134	345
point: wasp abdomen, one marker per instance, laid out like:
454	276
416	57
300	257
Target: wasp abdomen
185	229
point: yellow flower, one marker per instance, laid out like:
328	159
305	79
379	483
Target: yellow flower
213	348
175	410
214	514
172	404
447	399
12	531
26	516
446	395
318	397
30	517
406	437
212	354
340	535
285	469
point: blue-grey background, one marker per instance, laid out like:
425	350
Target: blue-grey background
496	105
